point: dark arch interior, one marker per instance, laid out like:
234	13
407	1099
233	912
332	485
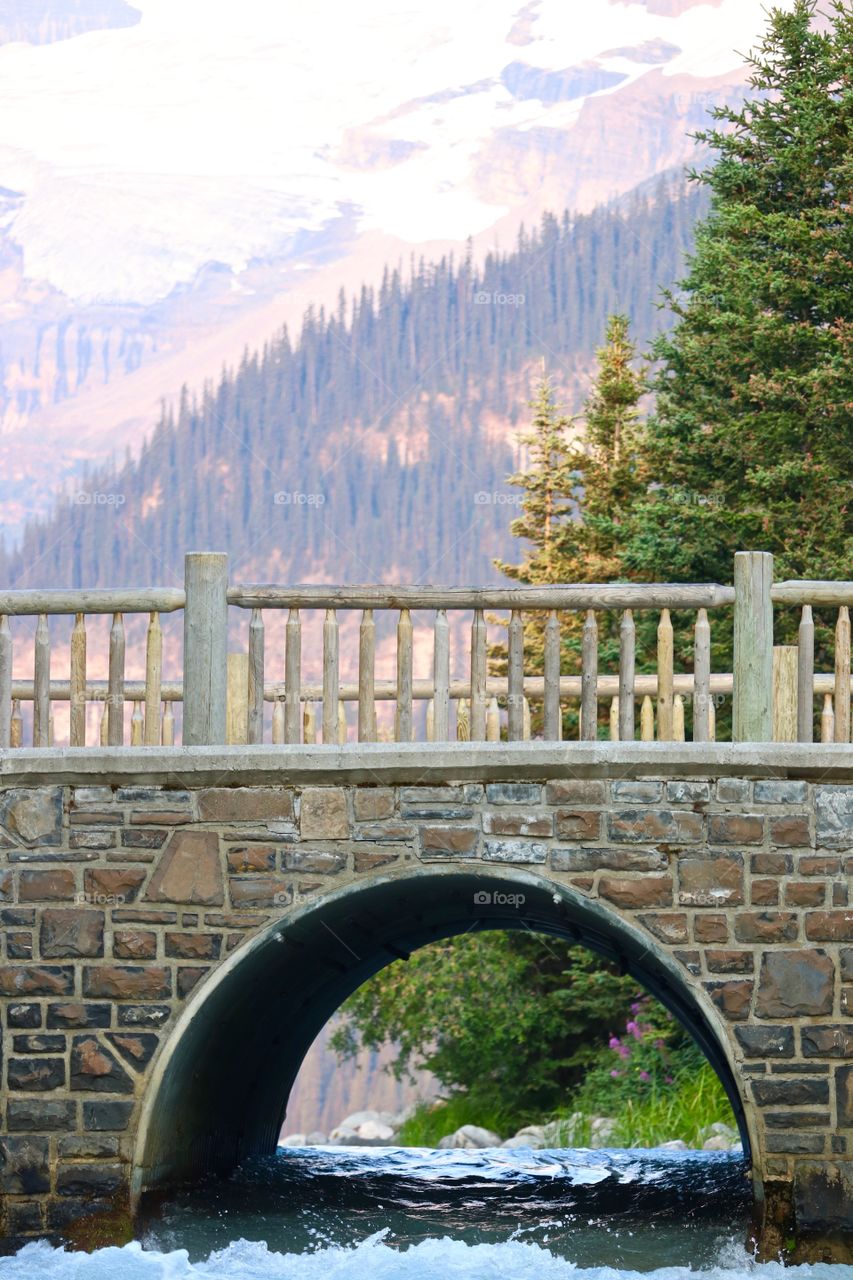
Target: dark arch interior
223	1093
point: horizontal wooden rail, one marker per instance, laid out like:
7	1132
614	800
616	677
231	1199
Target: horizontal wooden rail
142	600
815	593
652	595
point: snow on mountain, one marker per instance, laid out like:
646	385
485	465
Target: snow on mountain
180	177
214	131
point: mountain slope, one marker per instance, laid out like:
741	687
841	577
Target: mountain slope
378	446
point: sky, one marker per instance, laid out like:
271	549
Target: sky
216	131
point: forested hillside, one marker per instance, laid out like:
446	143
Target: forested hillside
365	450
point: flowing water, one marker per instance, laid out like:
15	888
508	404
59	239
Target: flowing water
411	1214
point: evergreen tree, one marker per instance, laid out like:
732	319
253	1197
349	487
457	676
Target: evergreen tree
751	440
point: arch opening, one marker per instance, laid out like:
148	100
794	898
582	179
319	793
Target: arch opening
219	1091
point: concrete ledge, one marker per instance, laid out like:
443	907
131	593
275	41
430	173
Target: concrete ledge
388	763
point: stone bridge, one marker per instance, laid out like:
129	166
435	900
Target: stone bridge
178	925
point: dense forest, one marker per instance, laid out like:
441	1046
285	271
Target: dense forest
358	452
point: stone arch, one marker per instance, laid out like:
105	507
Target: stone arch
217	1091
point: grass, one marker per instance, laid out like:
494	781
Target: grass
682	1110
433	1121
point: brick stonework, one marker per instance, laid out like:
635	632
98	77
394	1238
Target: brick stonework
117	903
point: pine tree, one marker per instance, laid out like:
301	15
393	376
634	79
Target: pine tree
751	441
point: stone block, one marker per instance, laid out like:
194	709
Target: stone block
105	1116
846	964
448	841
193	946
815	1120
780	791
834	816
823	1196
827	1041
373	804
188	978
72	1014
766	926
56	885
710	928
513	793
684	792
134	944
619	859
648	891
189	871
259	857
518	851
139	838
127	982
794	1144
731	998
95	1069
578	824
23	1015
710	882
732	790
766	1042
512	823
368	859
85	1146
40	1115
576	791
36	980
143	1015
71	932
798	1092
844	1096
24	1165
817	865
89	1180
805	893
135	1047
245	804
38	1042
319	862
636	791
24	1218
669	927
735	828
790	831
259	891
644	826
32	817
323	814
771	864
35	1075
795	984
764	893
727	961
829	926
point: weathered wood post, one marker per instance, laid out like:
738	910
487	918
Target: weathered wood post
753	648
205	647
785	692
237	699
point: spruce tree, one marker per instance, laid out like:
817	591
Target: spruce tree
751	440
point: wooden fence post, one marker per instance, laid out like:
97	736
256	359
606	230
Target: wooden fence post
785	692
237	700
753	648
205	647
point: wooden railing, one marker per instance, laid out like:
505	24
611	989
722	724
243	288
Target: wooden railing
282	694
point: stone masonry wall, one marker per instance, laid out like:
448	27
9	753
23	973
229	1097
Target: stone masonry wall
117	902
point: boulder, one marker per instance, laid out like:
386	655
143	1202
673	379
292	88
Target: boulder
470	1137
676	1144
602	1129
293	1140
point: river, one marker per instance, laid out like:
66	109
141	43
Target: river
411	1214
